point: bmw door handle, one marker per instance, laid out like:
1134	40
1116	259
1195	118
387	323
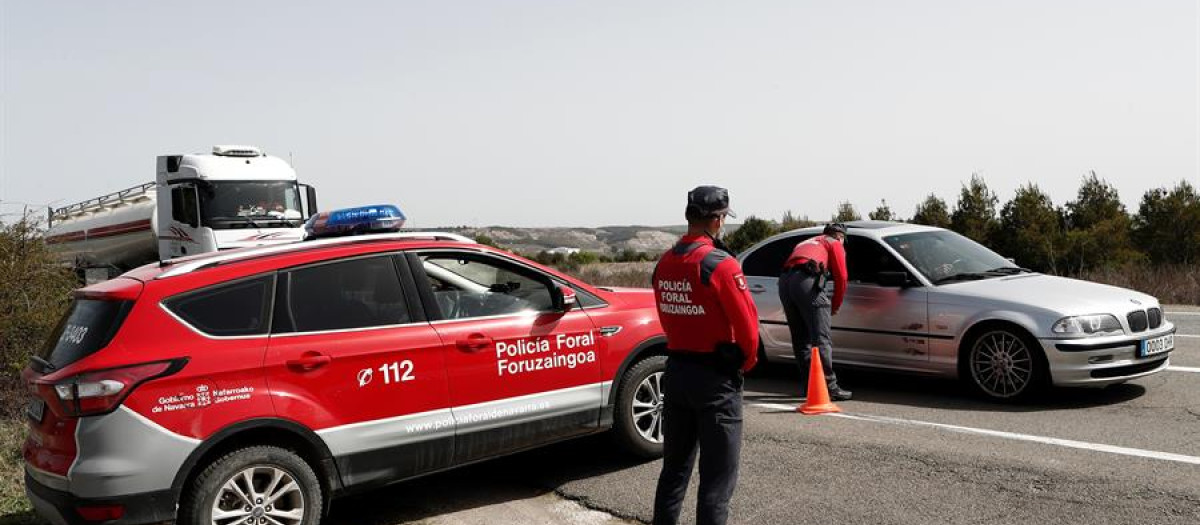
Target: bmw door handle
757	288
309	361
473	343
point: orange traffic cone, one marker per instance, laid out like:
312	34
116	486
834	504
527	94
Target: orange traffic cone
817	401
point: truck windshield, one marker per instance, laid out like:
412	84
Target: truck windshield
250	204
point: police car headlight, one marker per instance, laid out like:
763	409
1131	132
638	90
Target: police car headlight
1088	326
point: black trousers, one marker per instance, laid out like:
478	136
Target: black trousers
702	413
810	321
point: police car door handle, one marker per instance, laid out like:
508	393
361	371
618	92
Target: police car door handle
474	342
309	361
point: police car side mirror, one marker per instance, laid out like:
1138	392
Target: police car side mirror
564	298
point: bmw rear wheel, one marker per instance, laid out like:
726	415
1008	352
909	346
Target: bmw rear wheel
638	415
260	485
1003	365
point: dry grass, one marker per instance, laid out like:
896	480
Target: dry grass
14	507
632	274
1170	284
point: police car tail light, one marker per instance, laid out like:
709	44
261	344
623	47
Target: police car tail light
102	391
353	221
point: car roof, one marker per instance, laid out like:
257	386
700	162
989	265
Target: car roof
186	265
874	229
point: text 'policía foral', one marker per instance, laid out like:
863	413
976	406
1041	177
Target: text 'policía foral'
532	355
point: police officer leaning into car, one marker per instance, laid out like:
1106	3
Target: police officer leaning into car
806	304
712	338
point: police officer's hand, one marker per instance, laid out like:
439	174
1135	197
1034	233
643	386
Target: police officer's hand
834	311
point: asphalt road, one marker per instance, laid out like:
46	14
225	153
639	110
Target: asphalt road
906	451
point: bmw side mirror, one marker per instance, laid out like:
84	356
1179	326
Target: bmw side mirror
564	298
894	279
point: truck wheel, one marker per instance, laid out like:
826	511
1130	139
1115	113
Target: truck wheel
638	415
258	485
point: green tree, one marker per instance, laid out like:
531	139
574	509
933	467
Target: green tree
1099	230
790	222
1032	230
932	212
752	230
1167	226
846	213
882	213
975	213
34	293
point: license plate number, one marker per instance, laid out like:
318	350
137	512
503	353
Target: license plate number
1158	345
35	410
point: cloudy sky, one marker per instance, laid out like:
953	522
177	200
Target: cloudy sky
586	113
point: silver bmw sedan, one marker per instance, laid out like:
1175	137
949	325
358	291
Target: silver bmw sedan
929	301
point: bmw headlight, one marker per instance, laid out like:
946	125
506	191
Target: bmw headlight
1089	325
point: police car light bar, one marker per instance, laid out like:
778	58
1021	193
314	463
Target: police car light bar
355	221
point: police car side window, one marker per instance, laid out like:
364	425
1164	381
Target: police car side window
232	309
768	260
466	287
356	293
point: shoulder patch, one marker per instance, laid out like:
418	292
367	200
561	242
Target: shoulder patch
740	279
709	264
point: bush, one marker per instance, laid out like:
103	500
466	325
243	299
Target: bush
34	292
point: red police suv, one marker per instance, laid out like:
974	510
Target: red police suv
253	386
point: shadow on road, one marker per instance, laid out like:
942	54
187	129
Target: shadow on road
780	383
521	476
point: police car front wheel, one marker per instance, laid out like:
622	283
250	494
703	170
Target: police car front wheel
638	421
254	486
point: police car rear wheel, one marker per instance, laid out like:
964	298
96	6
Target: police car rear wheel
638	417
260	485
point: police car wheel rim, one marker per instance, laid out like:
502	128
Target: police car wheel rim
259	495
1001	364
648	407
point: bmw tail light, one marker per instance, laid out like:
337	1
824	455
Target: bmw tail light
102	391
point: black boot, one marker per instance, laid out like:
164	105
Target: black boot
838	394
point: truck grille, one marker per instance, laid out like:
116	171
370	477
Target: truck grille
1138	321
1156	317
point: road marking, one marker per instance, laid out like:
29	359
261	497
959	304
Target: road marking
1189	336
1184	369
1183	313
1068	443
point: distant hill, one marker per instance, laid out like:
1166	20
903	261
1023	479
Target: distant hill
603	240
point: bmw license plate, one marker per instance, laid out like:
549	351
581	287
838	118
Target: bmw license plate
35	410
1158	345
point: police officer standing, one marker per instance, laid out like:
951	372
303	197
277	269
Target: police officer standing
712	339
808	308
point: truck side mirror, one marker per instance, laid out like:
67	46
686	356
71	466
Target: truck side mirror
310	201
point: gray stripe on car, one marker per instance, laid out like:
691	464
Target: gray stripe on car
124	453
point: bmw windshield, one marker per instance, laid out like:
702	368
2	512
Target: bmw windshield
945	257
250	204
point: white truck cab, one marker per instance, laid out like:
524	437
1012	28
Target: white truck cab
234	197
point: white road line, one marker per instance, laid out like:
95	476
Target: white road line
1189	336
1184	369
1183	313
1069	443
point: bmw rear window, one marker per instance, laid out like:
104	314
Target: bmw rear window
88	326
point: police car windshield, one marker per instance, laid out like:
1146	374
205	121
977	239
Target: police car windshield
250	204
946	257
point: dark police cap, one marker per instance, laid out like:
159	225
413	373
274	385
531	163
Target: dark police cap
709	201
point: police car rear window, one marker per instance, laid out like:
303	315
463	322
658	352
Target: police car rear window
234	309
88	326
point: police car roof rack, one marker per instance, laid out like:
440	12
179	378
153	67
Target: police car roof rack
190	264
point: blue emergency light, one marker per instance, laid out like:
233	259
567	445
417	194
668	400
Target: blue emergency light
354	221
